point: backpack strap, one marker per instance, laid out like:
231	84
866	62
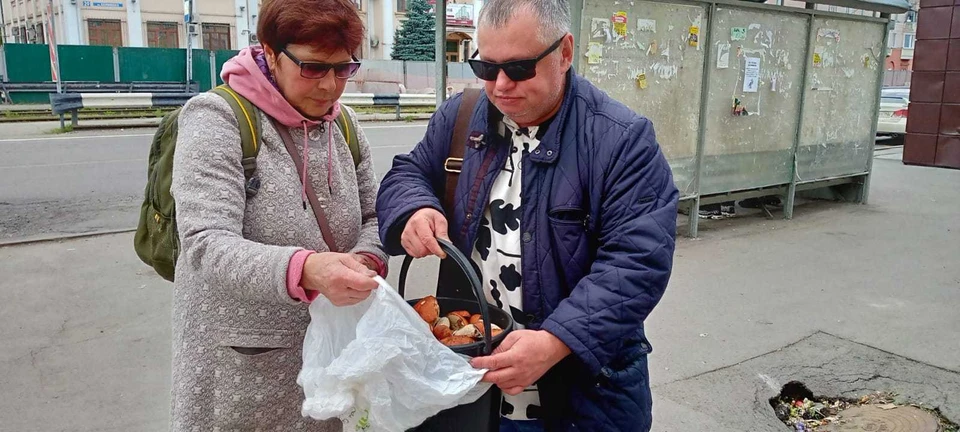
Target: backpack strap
249	122
345	123
458	143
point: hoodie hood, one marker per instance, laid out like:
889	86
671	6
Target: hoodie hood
243	74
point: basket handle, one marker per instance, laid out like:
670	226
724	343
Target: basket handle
461	260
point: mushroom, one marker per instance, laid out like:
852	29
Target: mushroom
428	309
441	331
456	322
462	313
457	340
469	330
494	329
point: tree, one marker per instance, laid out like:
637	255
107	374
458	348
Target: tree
415	39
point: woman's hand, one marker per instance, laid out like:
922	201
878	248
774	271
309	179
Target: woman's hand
366	261
341	278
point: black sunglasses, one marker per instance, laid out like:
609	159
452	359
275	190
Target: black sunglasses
317	70
517	70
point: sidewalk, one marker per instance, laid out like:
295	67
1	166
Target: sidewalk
752	304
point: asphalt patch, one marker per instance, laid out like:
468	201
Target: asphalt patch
738	397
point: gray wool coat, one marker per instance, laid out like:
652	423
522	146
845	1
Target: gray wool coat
230	288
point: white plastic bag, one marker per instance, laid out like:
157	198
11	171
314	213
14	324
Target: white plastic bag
377	366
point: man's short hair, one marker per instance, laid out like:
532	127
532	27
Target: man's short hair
554	15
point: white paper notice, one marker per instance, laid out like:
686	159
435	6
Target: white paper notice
751	75
723	56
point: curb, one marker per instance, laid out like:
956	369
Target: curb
61	237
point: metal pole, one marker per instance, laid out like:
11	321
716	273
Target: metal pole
54	54
693	220
791	197
3	26
440	17
188	22
865	187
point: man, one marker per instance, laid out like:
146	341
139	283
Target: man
568	209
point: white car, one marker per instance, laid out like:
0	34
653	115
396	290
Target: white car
892	121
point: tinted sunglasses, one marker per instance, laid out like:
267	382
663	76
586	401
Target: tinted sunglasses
317	70
517	70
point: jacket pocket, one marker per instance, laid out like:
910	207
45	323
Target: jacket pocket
255	378
570	242
258	338
620	397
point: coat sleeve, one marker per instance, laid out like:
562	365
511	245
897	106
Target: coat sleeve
413	181
636	238
369	240
208	189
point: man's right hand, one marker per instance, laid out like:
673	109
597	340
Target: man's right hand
419	238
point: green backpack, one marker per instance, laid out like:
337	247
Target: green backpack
156	241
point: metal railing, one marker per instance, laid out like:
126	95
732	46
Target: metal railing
62	103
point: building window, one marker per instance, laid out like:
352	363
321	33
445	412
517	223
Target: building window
104	32
216	36
908	40
163	35
401	5
911	16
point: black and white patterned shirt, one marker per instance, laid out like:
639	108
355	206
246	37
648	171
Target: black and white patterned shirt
498	247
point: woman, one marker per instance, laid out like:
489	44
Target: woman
249	265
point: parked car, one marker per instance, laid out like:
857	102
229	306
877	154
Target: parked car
892	118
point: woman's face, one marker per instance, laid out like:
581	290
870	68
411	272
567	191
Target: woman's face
312	97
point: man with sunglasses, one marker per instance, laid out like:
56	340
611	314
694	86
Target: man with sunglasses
567	207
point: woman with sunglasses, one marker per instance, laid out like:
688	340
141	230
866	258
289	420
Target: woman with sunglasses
253	254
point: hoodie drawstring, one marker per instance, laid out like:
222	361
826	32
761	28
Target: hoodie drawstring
306	153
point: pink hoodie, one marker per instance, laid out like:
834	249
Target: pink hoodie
244	75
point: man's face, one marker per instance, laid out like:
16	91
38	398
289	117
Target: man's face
532	101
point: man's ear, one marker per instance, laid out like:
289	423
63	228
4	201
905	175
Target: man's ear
567	49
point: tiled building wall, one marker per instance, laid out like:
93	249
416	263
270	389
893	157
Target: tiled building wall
933	125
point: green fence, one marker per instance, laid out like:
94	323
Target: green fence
30	63
152	64
27	63
86	63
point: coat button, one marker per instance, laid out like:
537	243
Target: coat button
549	152
527	237
469	217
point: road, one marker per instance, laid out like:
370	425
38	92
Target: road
73	184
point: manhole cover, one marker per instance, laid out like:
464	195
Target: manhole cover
877	418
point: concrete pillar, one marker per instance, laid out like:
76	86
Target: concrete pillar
388	9
247	11
70	23
134	24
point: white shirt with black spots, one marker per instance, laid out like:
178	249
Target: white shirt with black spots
498	244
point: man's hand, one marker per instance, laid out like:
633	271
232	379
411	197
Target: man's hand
339	277
419	238
521	359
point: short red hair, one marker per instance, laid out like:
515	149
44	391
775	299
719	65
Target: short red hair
327	25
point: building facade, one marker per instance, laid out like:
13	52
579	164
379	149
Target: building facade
216	24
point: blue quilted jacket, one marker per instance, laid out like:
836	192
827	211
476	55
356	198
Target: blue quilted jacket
599	230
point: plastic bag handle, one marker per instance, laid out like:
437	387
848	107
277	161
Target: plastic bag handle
472	277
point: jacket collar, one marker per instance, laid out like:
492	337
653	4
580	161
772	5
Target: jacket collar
487	122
